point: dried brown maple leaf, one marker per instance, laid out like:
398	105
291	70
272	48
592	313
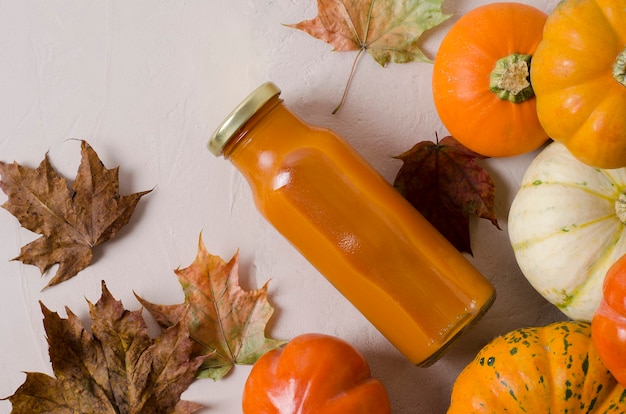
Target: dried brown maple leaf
71	221
444	182
389	30
227	323
118	368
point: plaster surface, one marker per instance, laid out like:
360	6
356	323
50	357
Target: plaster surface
146	82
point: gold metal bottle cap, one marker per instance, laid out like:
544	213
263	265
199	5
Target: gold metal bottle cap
240	115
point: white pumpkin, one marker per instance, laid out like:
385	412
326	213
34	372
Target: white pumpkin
566	227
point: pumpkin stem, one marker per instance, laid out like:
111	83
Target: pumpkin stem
619	68
620	207
510	78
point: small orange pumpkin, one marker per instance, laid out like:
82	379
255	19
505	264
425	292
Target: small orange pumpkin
312	374
481	79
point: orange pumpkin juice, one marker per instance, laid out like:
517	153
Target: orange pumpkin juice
354	227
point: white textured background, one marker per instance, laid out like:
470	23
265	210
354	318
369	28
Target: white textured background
145	82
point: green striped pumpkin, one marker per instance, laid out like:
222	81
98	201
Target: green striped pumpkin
566	227
549	369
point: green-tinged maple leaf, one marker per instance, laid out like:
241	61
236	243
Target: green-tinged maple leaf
227	323
444	182
117	368
388	30
71	221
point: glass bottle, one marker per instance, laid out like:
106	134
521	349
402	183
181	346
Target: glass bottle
353	226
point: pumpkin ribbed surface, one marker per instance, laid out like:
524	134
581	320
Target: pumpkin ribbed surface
566	228
550	369
578	74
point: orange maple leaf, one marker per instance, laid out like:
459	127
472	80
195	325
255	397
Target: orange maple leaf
227	323
388	30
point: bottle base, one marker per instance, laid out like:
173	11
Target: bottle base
438	354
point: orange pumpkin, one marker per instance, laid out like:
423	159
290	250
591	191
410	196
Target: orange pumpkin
314	374
548	369
481	79
608	326
579	75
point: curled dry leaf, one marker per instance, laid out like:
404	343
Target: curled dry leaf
444	182
227	323
72	221
388	30
117	368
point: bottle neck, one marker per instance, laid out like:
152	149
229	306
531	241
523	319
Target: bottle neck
242	135
260	149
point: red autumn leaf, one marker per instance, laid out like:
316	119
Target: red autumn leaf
444	182
227	323
73	221
117	368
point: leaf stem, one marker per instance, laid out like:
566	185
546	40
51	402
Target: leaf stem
345	91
